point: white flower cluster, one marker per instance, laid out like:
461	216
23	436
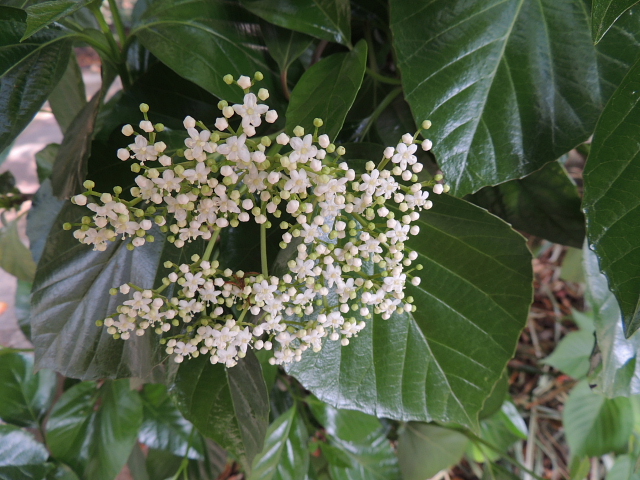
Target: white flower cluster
346	232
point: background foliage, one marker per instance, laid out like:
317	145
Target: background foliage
510	86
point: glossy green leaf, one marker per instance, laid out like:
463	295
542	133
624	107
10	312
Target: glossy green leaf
68	97
620	372
325	19
284	455
162	465
164	427
509	85
70	292
285	46
41	217
22	307
15	257
19	447
42	14
201	41
604	13
476	285
62	472
595	425
93	430
327	90
45	159
231	406
572	354
501	430
424	450
618	51
25	396
28	71
612	197
545	204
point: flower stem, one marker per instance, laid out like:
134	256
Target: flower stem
263	249
211	244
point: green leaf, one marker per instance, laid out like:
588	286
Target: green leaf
41	217
285	454
231	406
327	90
612	197
501	430
509	85
366	453
70	166
164	427
93	430
15	257
545	204
595	425
623	469
62	472
285	46
201	41
604	14
70	292
25	472
69	96
25	396
325	19
572	354
162	465
424	450
23	307
28	71
476	285
620	372
495	401
19	447
618	51
43	14
45	159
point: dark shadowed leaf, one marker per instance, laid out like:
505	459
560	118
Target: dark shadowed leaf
71	292
285	46
231	406
424	450
509	85
545	204
326	19
604	13
69	96
23	307
327	90
45	159
612	196
28	71
174	31
164	427
93	430
285	454
476	285
41	217
25	396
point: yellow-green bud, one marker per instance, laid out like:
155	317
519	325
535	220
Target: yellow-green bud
130	247
438	177
426	125
150	238
117	190
228	79
159	127
135	168
298	131
341	150
266	141
67	226
317	122
258	76
331	148
144	108
222	103
88	184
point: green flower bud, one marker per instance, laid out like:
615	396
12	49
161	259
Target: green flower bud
144	108
317	122
426	125
258	76
67	226
228	79
298	131
88	184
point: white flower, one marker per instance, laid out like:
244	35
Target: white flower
143	151
303	149
271	116
244	82
127	130
250	111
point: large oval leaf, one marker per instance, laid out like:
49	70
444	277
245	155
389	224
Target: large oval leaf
326	19
93	430
327	90
71	292
231	406
25	396
441	362
612	197
200	40
18	447
28	71
509	85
